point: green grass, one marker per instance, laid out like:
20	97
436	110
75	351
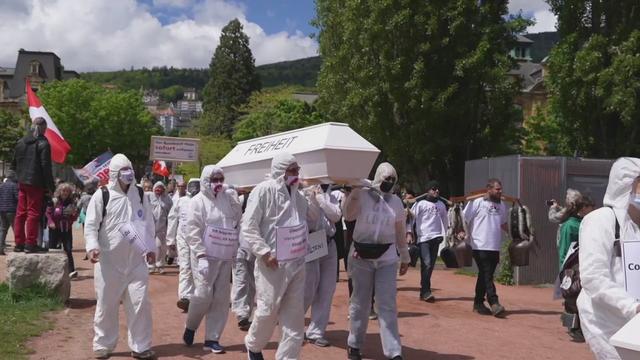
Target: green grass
21	317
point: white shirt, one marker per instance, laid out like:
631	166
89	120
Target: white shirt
485	219
430	219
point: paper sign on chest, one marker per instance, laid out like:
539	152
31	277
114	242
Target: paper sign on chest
291	242
221	243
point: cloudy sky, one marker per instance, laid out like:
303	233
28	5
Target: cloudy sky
115	34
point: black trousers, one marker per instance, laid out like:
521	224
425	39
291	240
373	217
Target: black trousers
487	262
64	238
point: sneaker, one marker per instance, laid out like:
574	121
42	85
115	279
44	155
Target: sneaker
244	324
101	354
353	353
254	356
183	304
213	346
34	249
481	309
18	248
160	270
73	274
373	315
321	342
397	358
497	309
188	336
428	297
147	354
170	260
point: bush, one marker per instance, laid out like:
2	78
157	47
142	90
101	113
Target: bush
505	273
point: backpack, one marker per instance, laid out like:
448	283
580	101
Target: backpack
105	200
570	285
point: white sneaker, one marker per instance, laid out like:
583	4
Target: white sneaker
73	274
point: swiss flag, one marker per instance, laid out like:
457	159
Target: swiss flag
160	168
59	146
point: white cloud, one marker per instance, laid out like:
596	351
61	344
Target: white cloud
172	3
116	34
538	10
545	21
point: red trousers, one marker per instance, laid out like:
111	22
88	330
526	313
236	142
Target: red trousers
29	211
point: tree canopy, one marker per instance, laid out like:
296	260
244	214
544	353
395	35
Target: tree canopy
93	119
424	81
232	79
273	111
594	80
11	132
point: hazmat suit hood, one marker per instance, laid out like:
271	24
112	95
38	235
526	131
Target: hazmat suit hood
623	173
383	171
118	162
193	187
205	183
280	163
157	185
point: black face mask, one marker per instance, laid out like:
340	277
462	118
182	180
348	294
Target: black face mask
324	187
386	186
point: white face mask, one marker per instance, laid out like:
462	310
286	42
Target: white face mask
291	180
127	176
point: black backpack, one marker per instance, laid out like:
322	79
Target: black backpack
105	200
570	285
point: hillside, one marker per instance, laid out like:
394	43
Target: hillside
302	72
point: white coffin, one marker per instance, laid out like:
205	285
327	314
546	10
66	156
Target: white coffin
627	340
326	153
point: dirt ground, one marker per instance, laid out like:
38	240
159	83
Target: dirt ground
444	330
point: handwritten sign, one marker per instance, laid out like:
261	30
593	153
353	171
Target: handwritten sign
317	246
291	242
221	243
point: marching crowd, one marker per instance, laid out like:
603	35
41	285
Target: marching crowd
261	240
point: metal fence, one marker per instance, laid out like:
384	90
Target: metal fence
534	180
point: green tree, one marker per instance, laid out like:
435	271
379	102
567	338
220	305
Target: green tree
594	76
93	119
272	111
232	79
423	81
212	149
172	93
11	132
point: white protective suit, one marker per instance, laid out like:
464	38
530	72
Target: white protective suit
280	291
121	273
381	219
604	305
177	236
243	289
320	274
212	294
161	206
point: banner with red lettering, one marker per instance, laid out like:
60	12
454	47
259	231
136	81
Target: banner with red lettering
98	169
